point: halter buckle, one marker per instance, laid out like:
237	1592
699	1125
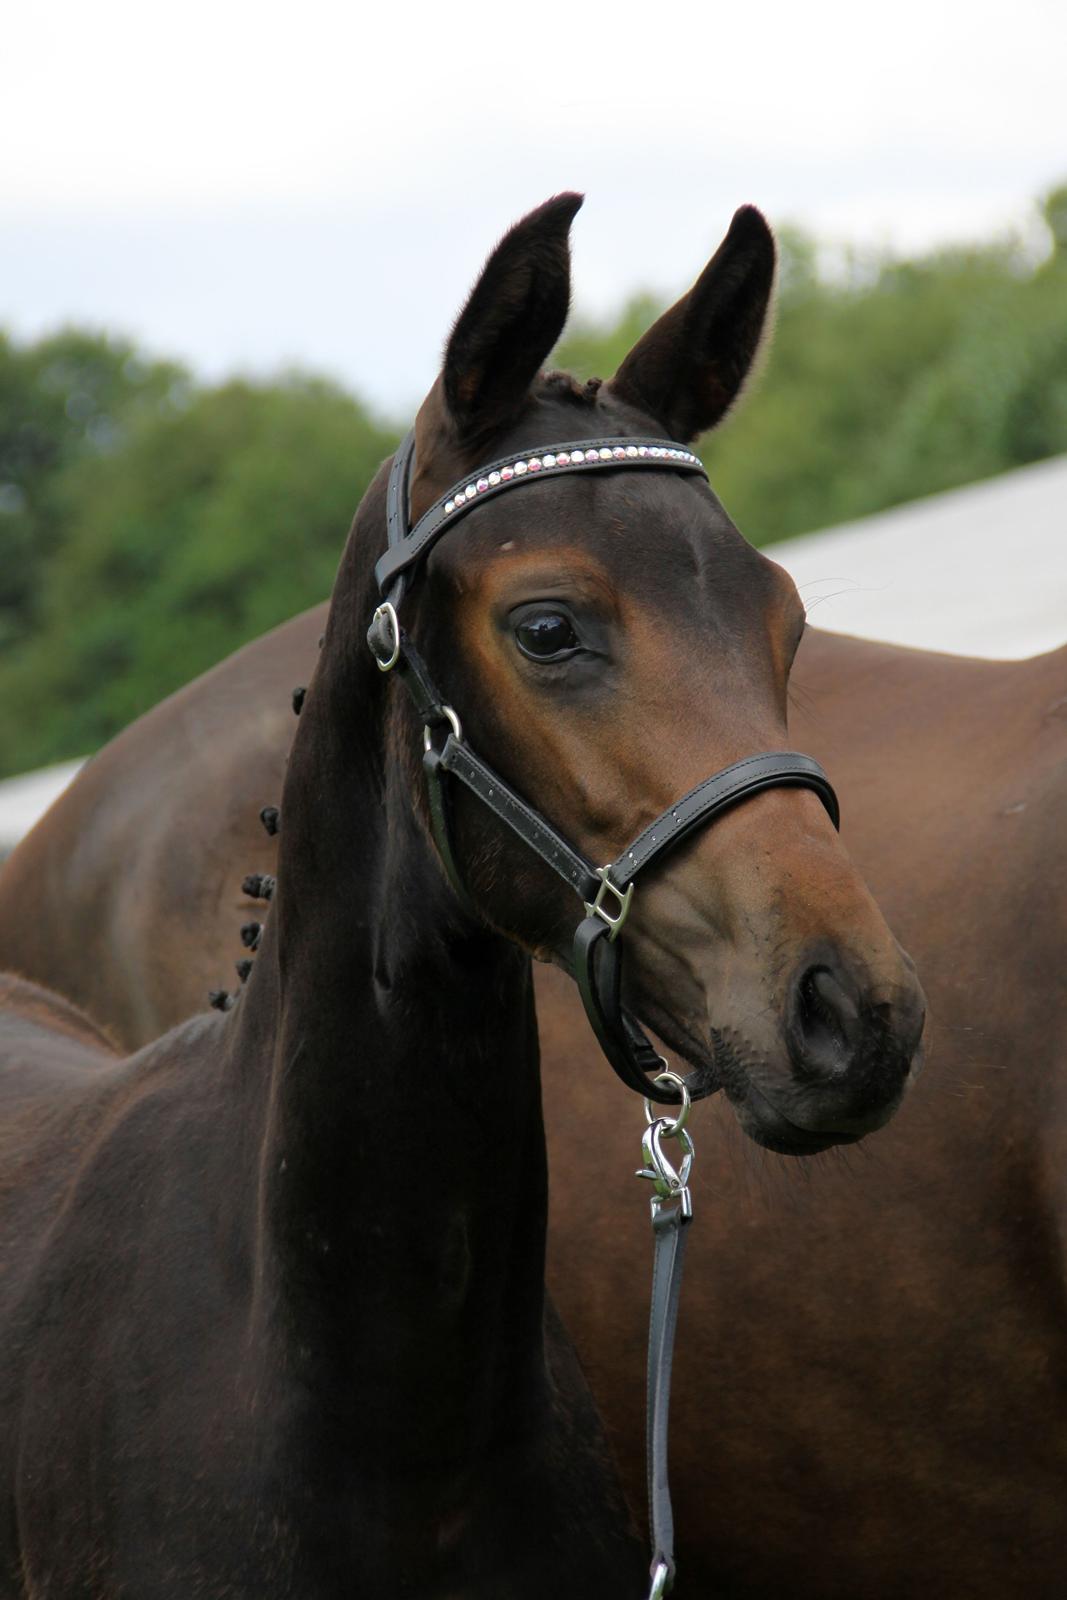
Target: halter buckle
596	908
383	637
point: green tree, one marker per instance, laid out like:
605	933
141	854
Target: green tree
885	381
205	528
72	395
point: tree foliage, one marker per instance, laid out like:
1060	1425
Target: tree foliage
64	398
209	523
149	526
885	380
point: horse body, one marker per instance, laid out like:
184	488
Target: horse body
131	865
876	1350
273	1316
279	1275
871	1375
174	1426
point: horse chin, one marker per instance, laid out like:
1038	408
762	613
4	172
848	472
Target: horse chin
765	1125
802	1127
757	1116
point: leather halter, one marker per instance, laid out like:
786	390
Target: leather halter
596	958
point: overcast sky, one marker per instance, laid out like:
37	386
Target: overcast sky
245	186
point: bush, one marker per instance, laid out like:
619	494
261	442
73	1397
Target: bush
209	525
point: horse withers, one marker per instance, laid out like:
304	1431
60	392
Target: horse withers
275	1321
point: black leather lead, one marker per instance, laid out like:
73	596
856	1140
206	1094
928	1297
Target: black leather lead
670	1227
595	960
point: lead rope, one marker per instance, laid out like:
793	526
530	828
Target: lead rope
672	1212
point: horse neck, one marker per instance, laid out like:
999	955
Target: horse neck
402	1188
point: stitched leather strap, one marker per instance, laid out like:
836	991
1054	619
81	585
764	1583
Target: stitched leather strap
405	550
717	794
414	673
459	759
671	1229
397	494
441	823
598	974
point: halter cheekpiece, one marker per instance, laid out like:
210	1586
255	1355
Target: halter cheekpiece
595	960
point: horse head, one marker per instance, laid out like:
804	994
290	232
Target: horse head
610	639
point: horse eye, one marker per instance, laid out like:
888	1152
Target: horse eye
546	635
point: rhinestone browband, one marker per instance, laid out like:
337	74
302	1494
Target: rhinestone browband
569	458
407	548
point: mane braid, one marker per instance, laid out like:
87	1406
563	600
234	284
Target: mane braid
563	386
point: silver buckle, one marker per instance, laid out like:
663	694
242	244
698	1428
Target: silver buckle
385	613
595	908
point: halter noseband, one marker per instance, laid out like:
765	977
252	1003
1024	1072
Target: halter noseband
596	959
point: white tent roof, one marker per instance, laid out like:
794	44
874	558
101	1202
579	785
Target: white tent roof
23	800
977	571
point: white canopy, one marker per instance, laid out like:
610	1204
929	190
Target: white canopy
980	571
23	800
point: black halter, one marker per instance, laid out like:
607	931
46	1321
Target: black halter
596	959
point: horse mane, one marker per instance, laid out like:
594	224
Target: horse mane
562	386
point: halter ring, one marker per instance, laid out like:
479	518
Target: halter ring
671	1125
457	728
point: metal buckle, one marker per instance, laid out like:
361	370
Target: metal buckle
385	614
595	908
457	729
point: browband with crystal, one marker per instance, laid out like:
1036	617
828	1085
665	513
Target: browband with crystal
405	549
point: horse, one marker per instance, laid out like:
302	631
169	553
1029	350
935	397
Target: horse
870	1369
871	1356
275	1317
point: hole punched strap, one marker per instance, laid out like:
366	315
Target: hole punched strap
672	1212
595	959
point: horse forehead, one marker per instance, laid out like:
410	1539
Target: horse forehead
643	532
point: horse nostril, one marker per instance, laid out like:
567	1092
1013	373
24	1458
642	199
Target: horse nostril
825	1024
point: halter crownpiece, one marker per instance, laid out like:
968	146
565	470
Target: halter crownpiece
595	960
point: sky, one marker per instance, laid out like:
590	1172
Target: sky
249	187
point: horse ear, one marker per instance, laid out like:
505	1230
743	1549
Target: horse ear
514	316
689	367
